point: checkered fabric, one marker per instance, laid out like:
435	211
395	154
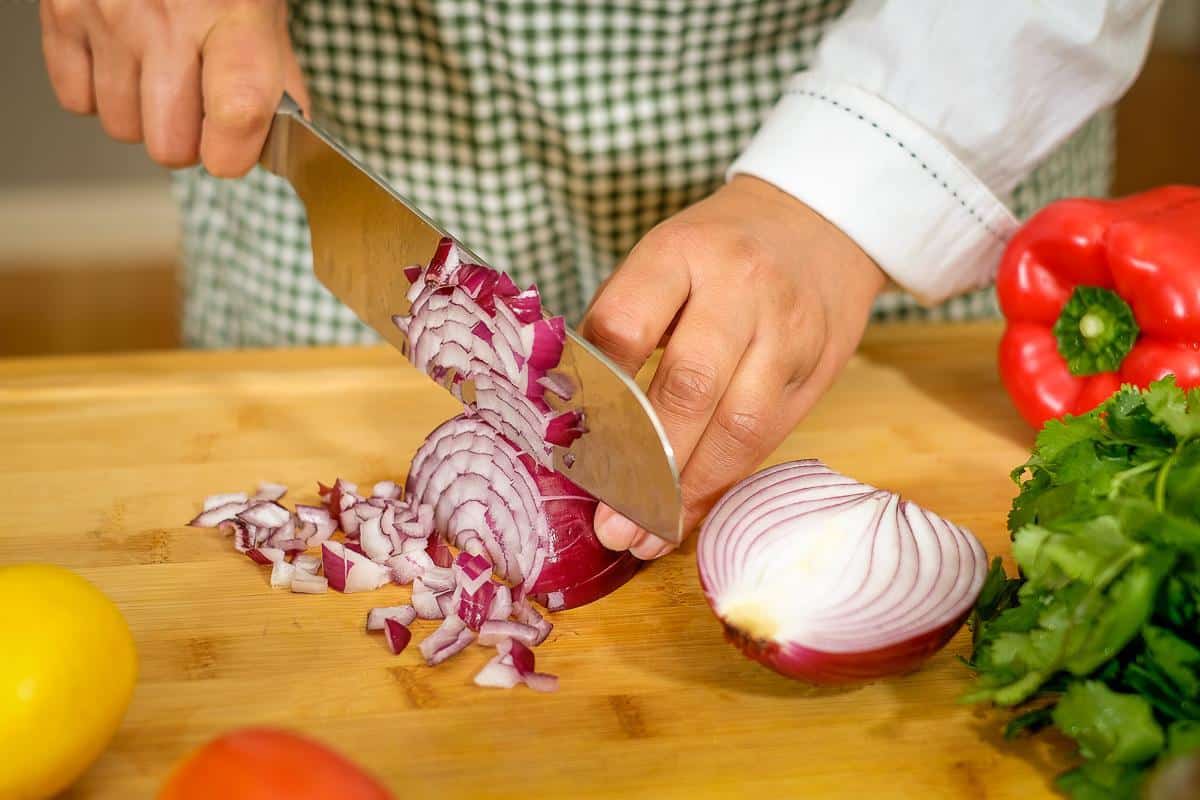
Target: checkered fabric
547	134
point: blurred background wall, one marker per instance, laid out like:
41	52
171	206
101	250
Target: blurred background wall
88	229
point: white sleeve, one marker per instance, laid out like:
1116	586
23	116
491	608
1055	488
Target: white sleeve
917	115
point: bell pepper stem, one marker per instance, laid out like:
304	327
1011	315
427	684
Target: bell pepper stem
1095	331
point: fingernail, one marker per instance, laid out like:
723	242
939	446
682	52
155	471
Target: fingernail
651	548
614	531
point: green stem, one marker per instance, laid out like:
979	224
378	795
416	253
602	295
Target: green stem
1121	477
1160	485
1095	330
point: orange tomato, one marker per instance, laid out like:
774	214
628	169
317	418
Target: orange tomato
267	764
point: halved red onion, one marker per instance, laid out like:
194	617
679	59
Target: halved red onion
828	580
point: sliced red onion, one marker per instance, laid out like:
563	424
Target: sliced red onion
322	523
397	635
481	487
270	491
829	580
451	638
266	515
389	490
404	614
218	500
282	574
350	571
303	583
495	631
213	517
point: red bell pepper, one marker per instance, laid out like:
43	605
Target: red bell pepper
1100	293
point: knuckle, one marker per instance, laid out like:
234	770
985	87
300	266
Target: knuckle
744	430
170	154
618	332
688	387
241	109
123	128
65	10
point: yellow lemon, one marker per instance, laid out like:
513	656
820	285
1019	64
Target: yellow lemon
67	670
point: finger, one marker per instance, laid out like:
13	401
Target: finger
648	548
241	81
630	315
171	105
752	418
68	63
713	333
116	76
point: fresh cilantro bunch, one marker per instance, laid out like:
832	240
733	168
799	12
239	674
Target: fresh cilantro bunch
1100	634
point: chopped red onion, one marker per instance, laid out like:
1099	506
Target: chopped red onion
265	555
451	638
307	563
303	583
350	571
494	631
218	500
527	614
212	517
498	675
397	635
270	491
282	574
404	614
266	515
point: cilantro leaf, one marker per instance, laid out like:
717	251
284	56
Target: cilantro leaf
1108	726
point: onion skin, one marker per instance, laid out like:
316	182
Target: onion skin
841	669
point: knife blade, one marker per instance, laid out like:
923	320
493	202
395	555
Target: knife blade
364	233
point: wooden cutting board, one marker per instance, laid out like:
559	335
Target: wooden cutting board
104	459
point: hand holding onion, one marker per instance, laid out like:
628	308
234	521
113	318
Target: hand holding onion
759	302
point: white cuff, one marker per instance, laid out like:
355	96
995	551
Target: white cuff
886	182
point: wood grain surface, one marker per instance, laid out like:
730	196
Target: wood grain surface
103	460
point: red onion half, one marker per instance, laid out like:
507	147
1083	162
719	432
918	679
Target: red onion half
828	580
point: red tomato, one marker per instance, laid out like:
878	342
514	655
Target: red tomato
267	764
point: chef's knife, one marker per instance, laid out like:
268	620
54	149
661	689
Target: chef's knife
364	234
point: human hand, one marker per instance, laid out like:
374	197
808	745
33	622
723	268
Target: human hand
760	301
193	79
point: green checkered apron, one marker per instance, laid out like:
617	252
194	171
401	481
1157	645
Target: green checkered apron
548	134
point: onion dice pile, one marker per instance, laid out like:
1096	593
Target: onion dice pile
483	525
